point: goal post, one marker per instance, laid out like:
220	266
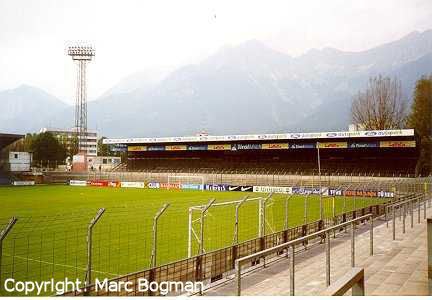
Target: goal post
193	182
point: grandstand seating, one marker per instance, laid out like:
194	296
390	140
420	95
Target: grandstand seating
294	167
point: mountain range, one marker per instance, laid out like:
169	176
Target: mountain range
248	88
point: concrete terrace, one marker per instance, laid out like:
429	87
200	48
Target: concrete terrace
397	267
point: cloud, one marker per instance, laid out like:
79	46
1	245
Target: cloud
132	36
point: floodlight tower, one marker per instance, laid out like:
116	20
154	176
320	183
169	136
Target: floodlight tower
81	55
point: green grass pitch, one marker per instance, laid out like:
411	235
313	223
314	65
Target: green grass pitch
49	239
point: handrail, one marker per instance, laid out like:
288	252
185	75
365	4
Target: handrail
353	279
392	207
240	261
429	252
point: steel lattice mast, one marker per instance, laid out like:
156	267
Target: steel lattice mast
81	55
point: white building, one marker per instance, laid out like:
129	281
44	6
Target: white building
66	136
102	163
19	161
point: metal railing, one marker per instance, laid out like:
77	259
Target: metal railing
404	207
291	254
429	253
354	280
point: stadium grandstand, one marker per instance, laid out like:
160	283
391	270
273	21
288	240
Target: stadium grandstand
6	139
372	152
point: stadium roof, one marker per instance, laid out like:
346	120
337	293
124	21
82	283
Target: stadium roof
6	139
263	137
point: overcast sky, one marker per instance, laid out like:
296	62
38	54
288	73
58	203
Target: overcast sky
133	36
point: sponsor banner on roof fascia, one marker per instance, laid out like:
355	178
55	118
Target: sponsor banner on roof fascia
118	148
338	145
153	185
197	147
77	182
216	187
275	146
235	147
251	137
129	184
240	188
136	148
155	148
397	144
219	147
24	182
176	148
301	145
272	189
191	186
363	144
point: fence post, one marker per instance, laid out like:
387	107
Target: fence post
386	217
3	235
203	211
190	233
262	215
419	210
286	212
353	244
235	242
292	271
371	235
412	212
429	249
88	277
305	210
328	258
154	246
238	275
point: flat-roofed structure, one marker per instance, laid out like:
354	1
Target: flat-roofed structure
380	152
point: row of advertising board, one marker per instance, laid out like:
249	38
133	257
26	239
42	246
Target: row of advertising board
275	146
256	137
23	183
235	188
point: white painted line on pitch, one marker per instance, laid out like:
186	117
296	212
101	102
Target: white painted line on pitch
61	265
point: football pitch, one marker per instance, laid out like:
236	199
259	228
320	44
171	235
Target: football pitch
49	239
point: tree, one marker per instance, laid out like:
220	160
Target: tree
46	147
23	145
420	119
103	149
381	105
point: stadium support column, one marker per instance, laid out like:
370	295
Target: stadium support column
319	176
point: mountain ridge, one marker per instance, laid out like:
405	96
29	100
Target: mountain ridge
251	88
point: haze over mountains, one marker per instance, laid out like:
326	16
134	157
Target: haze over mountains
248	88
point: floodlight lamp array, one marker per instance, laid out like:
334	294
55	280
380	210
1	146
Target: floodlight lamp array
81	51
